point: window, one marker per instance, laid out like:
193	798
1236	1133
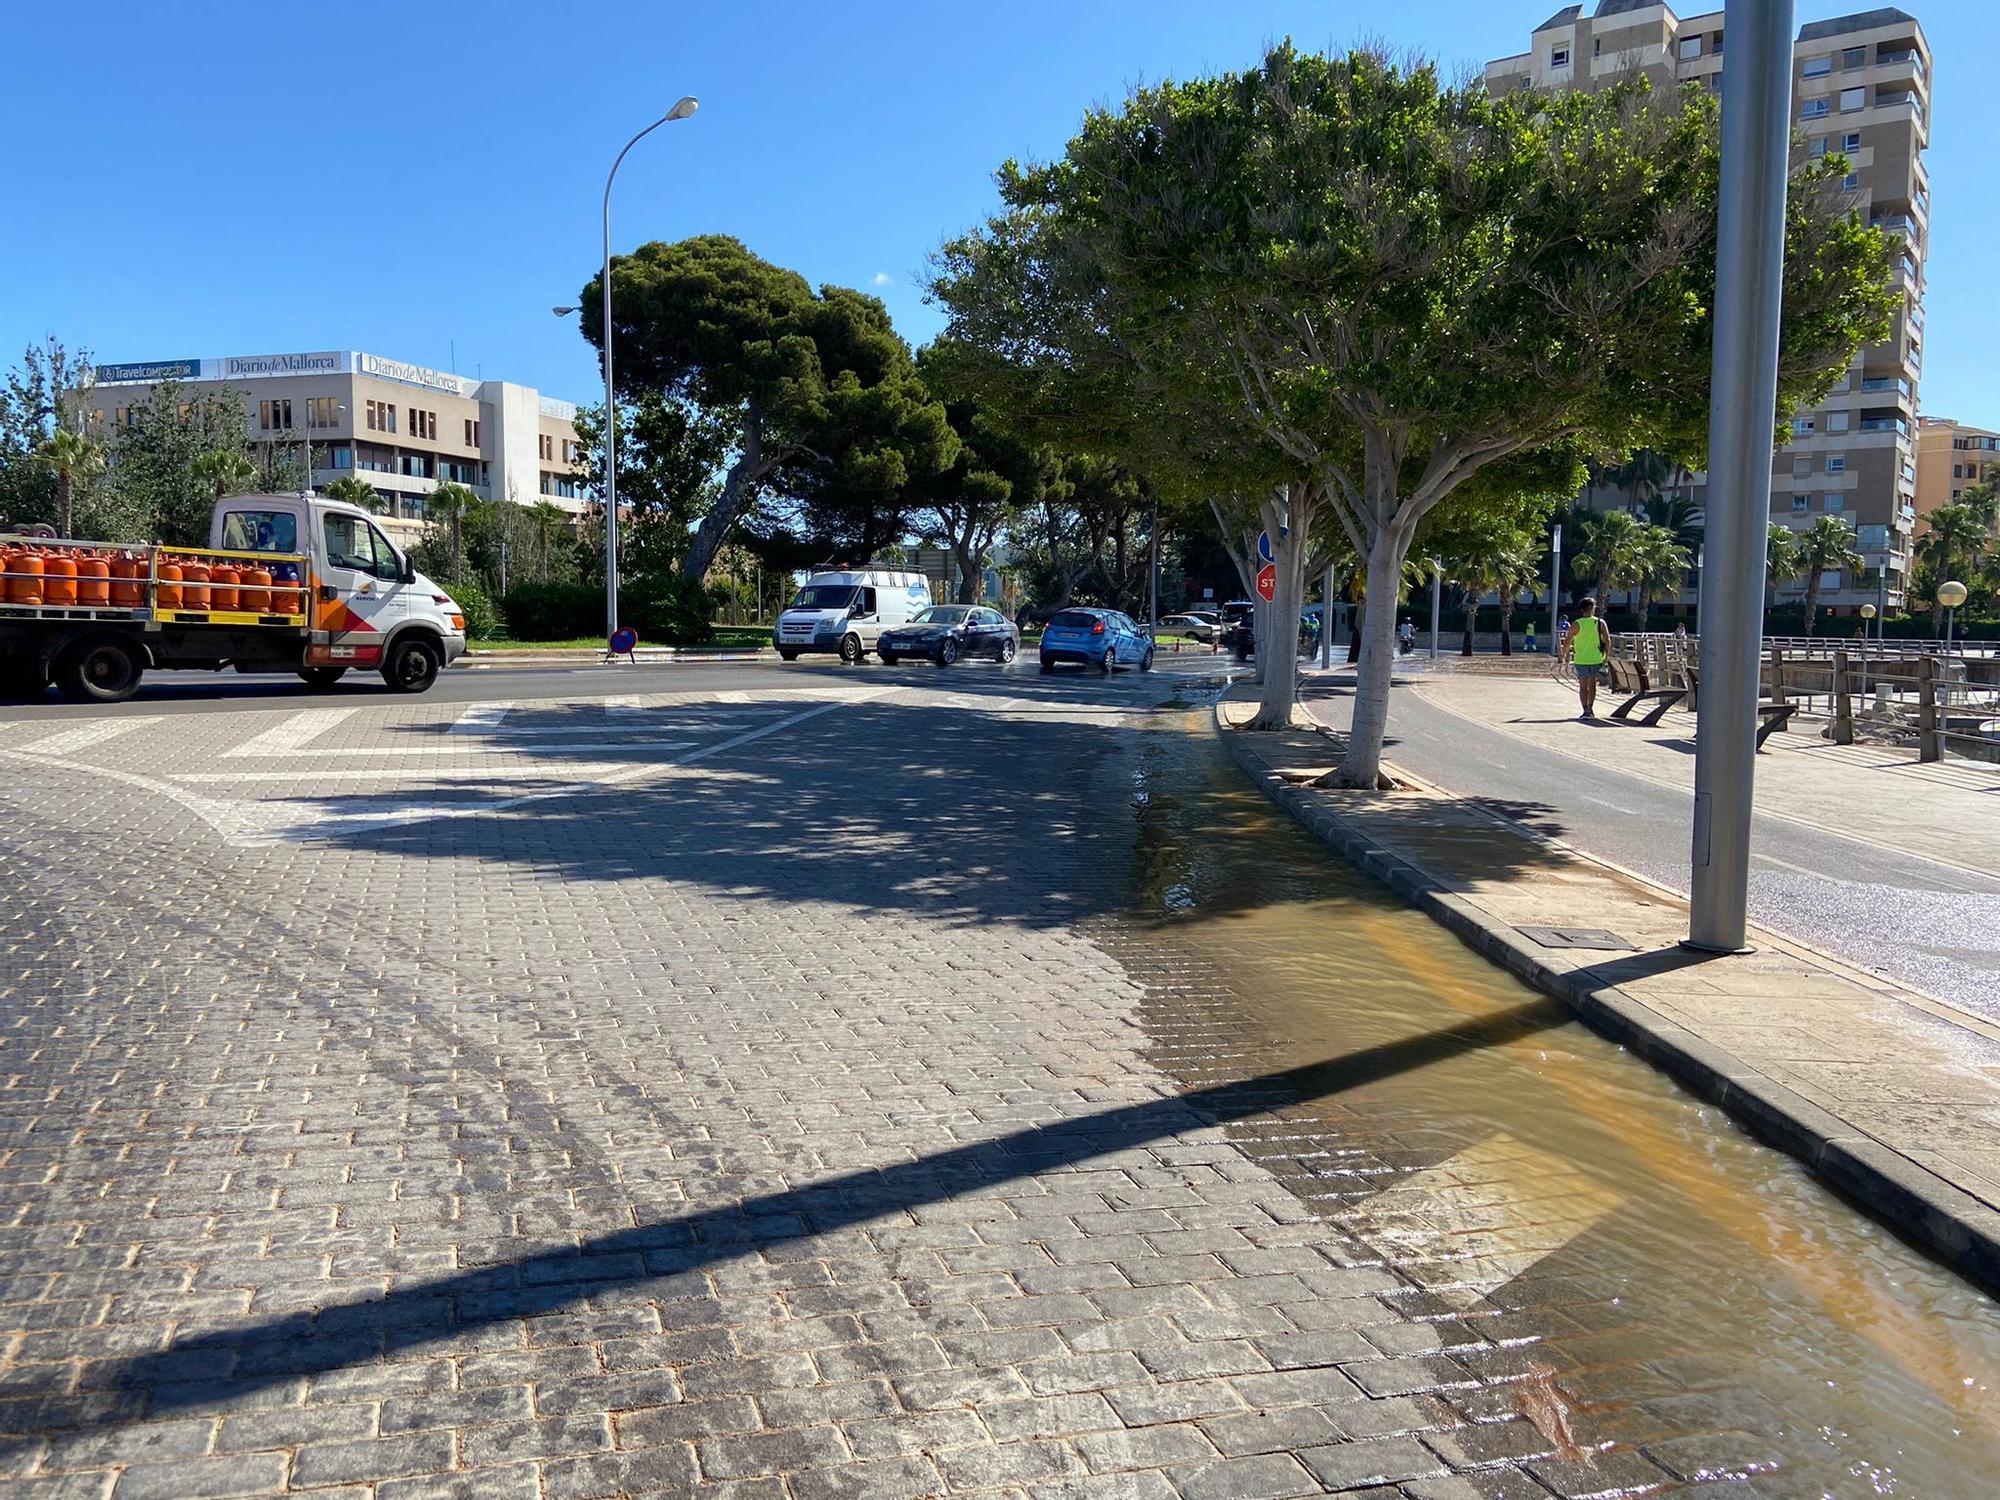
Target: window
1559	57
1831	500
1816	148
1802	426
1715	44
1853	99
1818	67
1690	48
423	424
1800	502
1597	46
472	432
274	416
1830	582
572	451
566	487
341	458
352	543
547	448
1836	421
1801	466
381	416
260	531
323	411
1853	57
1851	181
1836	463
1815	109
1851	141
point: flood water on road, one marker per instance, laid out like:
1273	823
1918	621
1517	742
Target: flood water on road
1575	1240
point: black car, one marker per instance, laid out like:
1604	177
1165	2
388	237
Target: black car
946	632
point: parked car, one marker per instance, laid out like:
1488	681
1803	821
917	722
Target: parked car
1101	638
1241	639
945	632
1237	628
1195	625
847	612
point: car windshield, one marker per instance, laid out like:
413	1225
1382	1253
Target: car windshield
824	596
943	614
1072	619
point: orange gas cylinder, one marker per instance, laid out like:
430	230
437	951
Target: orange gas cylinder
59	578
168	594
127	589
255	595
93	580
25	573
194	585
223	595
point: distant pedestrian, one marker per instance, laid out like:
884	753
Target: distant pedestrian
1406	637
1530	643
1585	645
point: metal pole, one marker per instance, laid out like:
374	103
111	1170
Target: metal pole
1153	573
1326	620
1750	257
1700	554
1881	599
1555	589
1437	588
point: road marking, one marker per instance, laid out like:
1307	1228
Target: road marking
485	774
1467	1226
440	745
481	718
85	735
291	735
624	704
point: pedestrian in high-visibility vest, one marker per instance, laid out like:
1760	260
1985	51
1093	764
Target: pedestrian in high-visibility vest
1585	645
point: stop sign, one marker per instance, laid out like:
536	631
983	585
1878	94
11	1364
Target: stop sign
1267	582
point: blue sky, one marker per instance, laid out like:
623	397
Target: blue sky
421	180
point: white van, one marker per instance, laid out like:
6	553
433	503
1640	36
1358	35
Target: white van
846	612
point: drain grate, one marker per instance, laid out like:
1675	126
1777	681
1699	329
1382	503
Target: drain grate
1575	937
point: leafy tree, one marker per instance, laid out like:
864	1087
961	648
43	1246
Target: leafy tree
73	460
816	389
1607	551
1955	536
154	458
445	512
36	404
1826	544
1404	285
351	489
670	455
548	525
1781	557
227	469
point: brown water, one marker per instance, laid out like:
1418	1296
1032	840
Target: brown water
1577	1241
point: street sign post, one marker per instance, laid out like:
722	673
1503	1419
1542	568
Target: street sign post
1267	582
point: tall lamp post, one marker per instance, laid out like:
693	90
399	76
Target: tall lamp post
1950	595
683	107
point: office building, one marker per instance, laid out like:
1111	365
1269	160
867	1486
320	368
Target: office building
1861	88
403	428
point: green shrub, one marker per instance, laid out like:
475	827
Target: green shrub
667	610
554	611
481	618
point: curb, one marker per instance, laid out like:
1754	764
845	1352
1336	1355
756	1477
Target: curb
1946	1221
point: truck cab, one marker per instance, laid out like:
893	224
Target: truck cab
370	608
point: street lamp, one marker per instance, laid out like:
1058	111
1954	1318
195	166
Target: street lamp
1950	595
686	105
1867	614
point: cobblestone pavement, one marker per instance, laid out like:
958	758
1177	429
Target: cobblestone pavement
792	1091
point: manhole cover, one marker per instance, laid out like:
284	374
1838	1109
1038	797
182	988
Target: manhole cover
1575	937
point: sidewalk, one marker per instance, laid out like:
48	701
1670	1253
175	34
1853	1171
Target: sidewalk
1888	1095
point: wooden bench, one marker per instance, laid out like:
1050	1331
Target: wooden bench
1638	687
1771	717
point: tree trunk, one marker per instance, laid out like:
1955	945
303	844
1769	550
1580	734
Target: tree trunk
738	487
1506	623
65	504
1278	622
1470	605
1355	617
1812	598
1604	590
966	556
1362	766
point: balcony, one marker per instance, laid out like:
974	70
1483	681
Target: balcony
1901	224
1906	58
1886	424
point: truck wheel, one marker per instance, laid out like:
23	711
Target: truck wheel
413	665
319	679
786	653
851	649
105	670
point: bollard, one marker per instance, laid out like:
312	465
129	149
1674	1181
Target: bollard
1930	741
1778	677
1843	702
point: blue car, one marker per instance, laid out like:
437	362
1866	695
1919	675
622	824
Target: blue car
1100	638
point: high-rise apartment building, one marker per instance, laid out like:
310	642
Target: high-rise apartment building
403	428
1861	89
1951	458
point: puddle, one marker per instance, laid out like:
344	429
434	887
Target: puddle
1589	1247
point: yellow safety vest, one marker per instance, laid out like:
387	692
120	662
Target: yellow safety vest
1588	648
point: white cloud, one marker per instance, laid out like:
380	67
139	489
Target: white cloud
882	278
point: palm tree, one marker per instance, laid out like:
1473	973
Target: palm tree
228	471
1954	534
1605	552
1658	561
1516	566
449	503
548	520
350	489
1781	558
1826	544
73	459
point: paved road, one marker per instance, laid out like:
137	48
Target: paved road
784	1083
1927	923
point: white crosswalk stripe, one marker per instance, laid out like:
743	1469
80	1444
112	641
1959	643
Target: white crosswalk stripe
481	718
292	734
96	732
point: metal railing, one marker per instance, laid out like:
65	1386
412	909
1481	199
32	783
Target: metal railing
1942	697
